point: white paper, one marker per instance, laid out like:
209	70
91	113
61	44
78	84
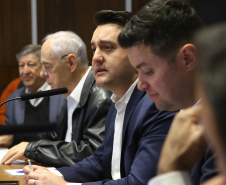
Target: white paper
20	171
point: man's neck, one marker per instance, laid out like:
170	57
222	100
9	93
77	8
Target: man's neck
76	77
119	92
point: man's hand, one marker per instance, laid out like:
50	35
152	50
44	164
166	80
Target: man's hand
185	143
42	176
14	153
6	140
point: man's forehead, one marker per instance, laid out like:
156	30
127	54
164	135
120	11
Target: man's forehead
108	32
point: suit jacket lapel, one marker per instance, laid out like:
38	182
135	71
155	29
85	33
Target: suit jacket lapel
134	100
86	89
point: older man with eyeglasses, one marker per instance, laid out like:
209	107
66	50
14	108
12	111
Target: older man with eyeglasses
81	124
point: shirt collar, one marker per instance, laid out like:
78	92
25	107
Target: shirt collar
44	87
125	98
76	93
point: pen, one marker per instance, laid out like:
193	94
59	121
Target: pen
29	162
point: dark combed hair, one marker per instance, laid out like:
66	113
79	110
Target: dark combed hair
211	71
165	25
109	16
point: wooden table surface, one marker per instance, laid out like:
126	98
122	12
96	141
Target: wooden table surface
4	176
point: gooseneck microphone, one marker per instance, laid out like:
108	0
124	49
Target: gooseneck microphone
39	94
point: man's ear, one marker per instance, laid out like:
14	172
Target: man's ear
72	62
190	56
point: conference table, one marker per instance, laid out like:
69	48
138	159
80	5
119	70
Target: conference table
4	176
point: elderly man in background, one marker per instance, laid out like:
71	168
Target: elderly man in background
35	110
81	124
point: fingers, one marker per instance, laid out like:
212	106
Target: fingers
27	169
32	182
16	152
12	155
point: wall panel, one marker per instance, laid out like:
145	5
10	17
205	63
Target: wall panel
75	15
15	32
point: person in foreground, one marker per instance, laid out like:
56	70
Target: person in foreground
211	78
82	120
158	40
135	129
34	111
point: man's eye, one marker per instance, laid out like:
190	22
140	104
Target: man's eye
150	72
93	50
31	65
21	66
107	47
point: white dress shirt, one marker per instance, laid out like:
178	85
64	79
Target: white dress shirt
120	105
72	103
35	102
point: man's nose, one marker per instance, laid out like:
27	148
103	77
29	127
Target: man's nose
142	85
97	56
43	73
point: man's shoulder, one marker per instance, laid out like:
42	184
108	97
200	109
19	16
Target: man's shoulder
102	93
17	93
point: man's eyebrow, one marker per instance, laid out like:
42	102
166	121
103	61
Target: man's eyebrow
43	62
103	42
140	65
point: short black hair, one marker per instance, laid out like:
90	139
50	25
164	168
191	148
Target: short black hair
164	25
110	16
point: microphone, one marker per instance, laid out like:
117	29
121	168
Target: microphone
38	94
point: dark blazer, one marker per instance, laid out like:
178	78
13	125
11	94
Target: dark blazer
144	131
15	109
87	129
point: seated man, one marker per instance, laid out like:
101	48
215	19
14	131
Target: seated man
159	44
81	123
35	110
135	129
211	78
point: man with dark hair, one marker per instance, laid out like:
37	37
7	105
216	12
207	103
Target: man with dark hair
135	129
158	40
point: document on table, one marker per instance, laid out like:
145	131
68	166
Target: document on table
3	151
20	171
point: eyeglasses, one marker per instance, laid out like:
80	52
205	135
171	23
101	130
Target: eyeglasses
50	66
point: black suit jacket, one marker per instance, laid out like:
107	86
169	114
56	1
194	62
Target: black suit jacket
87	129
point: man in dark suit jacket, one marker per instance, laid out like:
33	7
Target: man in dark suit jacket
135	129
82	122
158	40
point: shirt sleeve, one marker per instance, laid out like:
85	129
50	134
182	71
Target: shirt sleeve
176	177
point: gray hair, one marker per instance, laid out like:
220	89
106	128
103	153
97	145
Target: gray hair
66	42
28	49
